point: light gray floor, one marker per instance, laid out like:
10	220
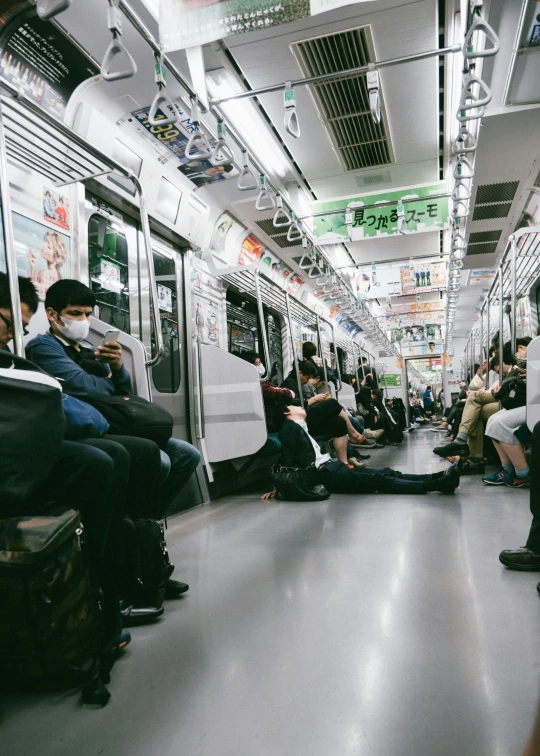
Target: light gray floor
361	625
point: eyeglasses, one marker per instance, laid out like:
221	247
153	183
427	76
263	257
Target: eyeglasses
9	325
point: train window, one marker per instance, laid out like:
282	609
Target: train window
242	324
166	375
108	270
275	347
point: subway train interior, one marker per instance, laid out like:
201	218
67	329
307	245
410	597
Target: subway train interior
269	305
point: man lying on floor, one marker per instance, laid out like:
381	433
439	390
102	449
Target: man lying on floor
301	450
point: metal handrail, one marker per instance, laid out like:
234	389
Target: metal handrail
295	357
260	309
200	394
338	369
319	338
11	257
156	359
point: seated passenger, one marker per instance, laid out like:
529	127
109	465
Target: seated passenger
81	478
480	405
89	374
301	450
272	394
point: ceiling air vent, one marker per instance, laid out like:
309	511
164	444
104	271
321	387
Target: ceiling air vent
479	237
344	103
279	235
374	178
482	249
494	200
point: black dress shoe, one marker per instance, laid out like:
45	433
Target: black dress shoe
473	467
452	449
174	589
523	560
139	615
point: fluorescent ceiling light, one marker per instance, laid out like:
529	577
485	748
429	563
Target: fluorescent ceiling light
248	122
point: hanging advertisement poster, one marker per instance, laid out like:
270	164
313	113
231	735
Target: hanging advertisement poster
481	277
390	380
356	222
423	278
376	282
171	142
42	62
56	208
250	251
219	235
205	320
43	255
186	23
524	321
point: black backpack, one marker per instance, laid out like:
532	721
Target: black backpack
148	566
52	627
134	416
33	424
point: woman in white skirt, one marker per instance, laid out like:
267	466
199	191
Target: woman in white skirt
502	428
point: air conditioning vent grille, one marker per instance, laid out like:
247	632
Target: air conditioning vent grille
482	249
279	235
489	193
486	212
344	103
477	237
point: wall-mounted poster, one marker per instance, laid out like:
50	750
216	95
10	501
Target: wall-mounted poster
129	159
250	251
423	278
43	254
56	208
43	63
164	298
205	318
391	380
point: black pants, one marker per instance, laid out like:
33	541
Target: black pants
323	419
338	478
84	478
533	541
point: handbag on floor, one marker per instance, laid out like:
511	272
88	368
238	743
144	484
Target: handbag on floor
147	561
298	484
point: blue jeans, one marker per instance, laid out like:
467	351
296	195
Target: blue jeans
179	461
356	424
338	478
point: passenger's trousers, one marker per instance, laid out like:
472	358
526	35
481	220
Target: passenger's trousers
475	439
323	419
533	541
338	478
473	410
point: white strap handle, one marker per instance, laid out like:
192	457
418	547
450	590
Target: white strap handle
161	100
197	147
265	200
467	100
463	162
373	84
247	180
115	49
281	218
49	8
481	25
290	119
295	233
222	153
460	209
465	142
460	192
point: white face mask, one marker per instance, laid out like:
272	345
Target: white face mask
261	368
75	330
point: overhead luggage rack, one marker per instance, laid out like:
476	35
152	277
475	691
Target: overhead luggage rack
56	151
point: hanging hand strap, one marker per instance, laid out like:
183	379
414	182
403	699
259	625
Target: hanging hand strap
222	153
281	218
197	147
247	180
265	200
373	85
49	8
161	101
480	25
116	49
290	120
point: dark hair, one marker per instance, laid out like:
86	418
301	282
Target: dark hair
523	341
431	343
428	388
68	292
365	359
508	359
27	293
476	368
307	368
319	374
249	356
348	378
308	349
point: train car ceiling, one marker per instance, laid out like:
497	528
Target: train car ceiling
341	150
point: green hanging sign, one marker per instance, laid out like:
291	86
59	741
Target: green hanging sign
422	208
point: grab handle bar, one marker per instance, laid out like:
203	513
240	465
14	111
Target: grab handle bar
315	270
456	195
290	120
161	100
338	369
373	84
467	100
200	395
197	147
463	161
262	324
264	201
221	148
49	8
116	48
480	24
307	261
247	181
460	209
295	232
281	218
464	135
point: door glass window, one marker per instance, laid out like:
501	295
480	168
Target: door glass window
166	375
108	270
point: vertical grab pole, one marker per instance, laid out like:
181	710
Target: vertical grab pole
319	337
260	309
357	359
513	318
501	323
487	340
156	359
481	341
295	357
11	257
338	369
